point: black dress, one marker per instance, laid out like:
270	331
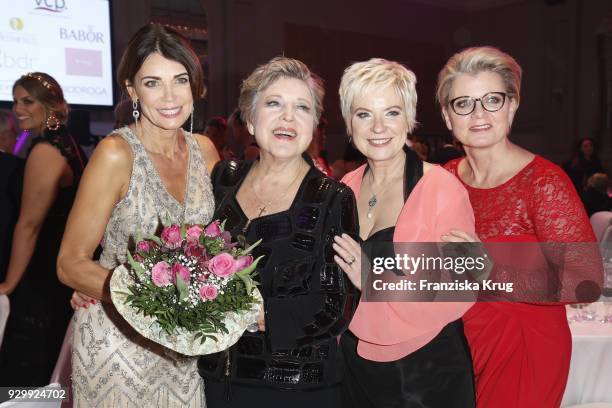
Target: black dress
40	304
438	375
308	301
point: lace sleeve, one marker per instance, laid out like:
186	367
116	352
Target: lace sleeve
561	222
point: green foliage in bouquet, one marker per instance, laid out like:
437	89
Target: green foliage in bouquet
191	276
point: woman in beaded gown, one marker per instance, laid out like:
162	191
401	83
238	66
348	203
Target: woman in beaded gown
521	347
293	360
137	175
39	302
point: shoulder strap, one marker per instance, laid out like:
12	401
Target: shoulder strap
63	141
413	171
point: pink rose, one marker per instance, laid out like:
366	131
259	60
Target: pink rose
213	229
222	265
243	262
172	236
208	292
227	238
143	246
161	274
194	249
193	233
182	271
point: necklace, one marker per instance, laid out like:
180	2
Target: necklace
373	199
263	208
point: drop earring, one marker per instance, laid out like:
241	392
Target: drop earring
135	112
191	121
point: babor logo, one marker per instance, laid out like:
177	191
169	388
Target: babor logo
56	6
89	35
16	23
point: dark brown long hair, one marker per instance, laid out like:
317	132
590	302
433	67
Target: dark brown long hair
171	45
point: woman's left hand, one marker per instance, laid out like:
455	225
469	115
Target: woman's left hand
455	235
348	257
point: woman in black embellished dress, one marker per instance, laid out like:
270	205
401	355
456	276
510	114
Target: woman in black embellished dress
40	308
293	359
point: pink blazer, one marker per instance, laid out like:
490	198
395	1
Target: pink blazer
388	331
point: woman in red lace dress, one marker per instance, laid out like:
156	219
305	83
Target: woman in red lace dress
521	351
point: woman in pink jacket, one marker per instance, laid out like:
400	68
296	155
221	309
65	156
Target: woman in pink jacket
399	353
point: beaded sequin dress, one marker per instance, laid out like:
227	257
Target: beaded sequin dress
112	365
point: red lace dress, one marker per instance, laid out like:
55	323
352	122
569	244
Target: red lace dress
521	352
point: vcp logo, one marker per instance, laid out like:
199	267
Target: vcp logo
56	6
16	23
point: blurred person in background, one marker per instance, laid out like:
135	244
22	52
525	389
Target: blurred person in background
584	163
595	196
215	129
40	308
11	182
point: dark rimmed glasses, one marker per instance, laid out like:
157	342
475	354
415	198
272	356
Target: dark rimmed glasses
491	102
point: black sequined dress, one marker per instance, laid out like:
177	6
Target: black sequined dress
308	301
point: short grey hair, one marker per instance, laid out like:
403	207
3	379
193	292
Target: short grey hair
264	75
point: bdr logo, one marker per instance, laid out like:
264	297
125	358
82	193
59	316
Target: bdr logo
23	62
57	6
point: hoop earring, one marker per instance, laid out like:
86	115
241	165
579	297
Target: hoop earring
135	112
53	122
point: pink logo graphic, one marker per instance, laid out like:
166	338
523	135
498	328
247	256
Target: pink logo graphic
83	62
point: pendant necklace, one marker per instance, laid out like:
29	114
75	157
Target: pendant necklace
373	199
263	208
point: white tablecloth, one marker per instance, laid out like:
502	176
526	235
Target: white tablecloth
590	377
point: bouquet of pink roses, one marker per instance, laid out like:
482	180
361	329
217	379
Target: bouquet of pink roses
189	284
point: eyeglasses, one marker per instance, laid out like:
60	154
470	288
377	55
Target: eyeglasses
491	102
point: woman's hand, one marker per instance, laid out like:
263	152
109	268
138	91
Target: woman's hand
80	300
348	257
261	320
473	249
455	235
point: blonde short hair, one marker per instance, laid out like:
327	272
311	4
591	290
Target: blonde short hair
475	60
264	75
361	77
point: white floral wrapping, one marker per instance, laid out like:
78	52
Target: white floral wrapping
181	341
